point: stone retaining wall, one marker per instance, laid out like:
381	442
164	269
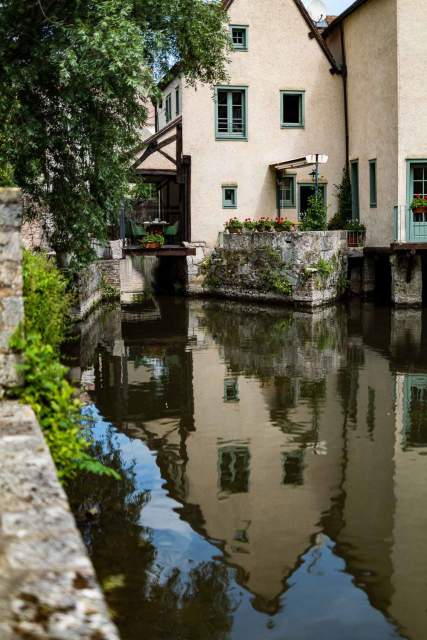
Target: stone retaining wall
303	268
48	588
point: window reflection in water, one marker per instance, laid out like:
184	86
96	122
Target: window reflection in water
234	469
293	468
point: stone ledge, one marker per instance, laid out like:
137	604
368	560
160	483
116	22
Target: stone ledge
48	588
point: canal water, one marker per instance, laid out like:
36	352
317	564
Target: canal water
273	465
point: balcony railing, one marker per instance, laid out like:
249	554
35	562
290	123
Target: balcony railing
408	226
356	239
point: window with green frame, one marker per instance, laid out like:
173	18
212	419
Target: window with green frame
286	192
354	176
372	183
168	108
292	109
229	197
177	101
231	113
239	37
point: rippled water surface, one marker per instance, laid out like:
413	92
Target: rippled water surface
274	471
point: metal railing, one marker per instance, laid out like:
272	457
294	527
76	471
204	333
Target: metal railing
356	239
409	226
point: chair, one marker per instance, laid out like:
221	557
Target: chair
172	231
138	230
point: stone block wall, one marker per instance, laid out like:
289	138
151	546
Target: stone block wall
303	268
48	588
11	301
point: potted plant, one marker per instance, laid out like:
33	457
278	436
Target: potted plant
234	225
265	224
152	241
419	204
249	225
283	224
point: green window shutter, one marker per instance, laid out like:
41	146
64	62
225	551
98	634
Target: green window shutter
177	102
355	189
168	108
373	183
231	113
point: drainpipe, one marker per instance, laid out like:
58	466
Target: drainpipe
344	79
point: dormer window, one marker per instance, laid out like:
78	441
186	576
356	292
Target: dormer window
239	37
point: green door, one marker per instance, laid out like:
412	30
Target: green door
418	221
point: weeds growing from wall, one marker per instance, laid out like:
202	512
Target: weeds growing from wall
45	386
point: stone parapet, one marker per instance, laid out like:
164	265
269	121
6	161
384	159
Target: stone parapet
11	302
307	269
48	588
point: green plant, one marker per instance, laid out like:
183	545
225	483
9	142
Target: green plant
419	201
109	293
283	224
46	299
314	219
343	196
153	238
280	284
47	391
324	267
234	225
264	224
249	225
354	225
336	223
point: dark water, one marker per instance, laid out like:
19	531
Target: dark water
274	471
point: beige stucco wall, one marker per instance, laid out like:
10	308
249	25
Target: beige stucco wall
280	56
412	87
170	89
370	39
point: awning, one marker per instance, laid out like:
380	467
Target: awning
297	163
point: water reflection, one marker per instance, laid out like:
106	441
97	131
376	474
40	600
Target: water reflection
275	472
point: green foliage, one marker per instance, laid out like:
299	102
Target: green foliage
234	225
6	175
343	195
264	224
325	267
153	237
47	302
354	225
283	224
314	219
76	78
47	391
45	387
109	293
279	284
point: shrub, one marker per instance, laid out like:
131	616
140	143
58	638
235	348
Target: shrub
45	387
354	225
156	238
249	225
343	195
314	219
46	299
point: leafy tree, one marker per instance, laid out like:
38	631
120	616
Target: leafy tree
314	219
343	195
76	78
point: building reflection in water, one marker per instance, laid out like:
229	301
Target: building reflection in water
293	443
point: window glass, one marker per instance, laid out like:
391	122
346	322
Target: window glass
231	113
229	201
239	37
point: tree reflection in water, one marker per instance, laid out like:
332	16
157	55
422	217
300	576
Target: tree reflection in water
191	606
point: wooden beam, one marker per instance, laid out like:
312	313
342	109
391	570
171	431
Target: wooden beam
167	156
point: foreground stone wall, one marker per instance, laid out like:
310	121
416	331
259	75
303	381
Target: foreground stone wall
11	304
304	268
48	589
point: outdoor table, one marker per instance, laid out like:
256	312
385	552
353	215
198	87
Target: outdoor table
155	226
